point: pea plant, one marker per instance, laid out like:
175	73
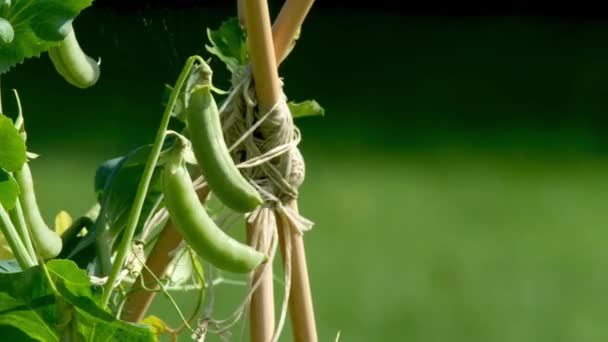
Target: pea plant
164	212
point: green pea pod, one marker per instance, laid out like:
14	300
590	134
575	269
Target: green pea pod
73	64
198	229
47	242
209	147
7	33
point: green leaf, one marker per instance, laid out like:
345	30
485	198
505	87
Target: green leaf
305	108
12	152
9	190
229	44
121	185
28	303
89	321
25	317
116	182
38	25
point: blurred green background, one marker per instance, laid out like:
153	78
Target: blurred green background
458	180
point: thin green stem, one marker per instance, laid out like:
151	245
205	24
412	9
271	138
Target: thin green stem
47	275
144	183
11	235
16	215
164	291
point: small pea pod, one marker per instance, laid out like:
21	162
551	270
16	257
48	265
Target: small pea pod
198	229
73	64
46	241
7	33
209	147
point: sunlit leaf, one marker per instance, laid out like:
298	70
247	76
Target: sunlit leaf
9	190
305	108
12	146
229	44
28	303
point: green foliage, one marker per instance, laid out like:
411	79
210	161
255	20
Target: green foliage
9	190
122	176
38	25
12	158
29	303
229	44
305	108
115	185
12	153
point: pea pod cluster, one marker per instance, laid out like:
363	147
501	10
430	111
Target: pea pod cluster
212	155
73	64
198	229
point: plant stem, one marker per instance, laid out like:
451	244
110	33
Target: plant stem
286	27
159	258
16	215
144	183
300	298
11	235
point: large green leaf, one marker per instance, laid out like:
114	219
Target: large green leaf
38	25
121	186
28	303
116	182
9	190
26	317
12	146
229	44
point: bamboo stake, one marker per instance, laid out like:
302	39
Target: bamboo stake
300	297
285	31
261	53
169	239
240	8
268	90
261	309
286	27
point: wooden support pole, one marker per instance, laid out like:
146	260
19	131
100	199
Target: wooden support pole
300	297
286	27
